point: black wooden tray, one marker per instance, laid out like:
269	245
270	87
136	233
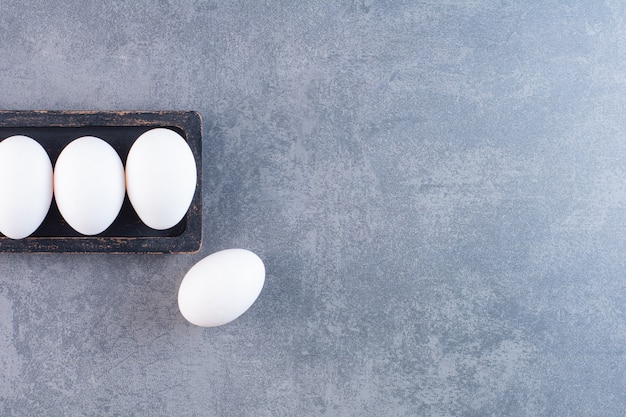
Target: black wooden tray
55	129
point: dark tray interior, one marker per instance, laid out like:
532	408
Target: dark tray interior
54	130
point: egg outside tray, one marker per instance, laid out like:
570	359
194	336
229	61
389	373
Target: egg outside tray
55	129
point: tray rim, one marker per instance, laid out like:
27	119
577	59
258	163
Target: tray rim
188	121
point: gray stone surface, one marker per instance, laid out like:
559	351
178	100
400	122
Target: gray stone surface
437	189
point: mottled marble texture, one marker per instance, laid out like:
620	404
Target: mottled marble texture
437	188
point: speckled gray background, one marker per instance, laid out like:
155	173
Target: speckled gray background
437	188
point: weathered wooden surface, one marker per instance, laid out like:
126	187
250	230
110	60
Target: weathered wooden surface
55	129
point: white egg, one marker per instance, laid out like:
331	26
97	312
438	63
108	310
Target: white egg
221	287
89	184
25	186
160	177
